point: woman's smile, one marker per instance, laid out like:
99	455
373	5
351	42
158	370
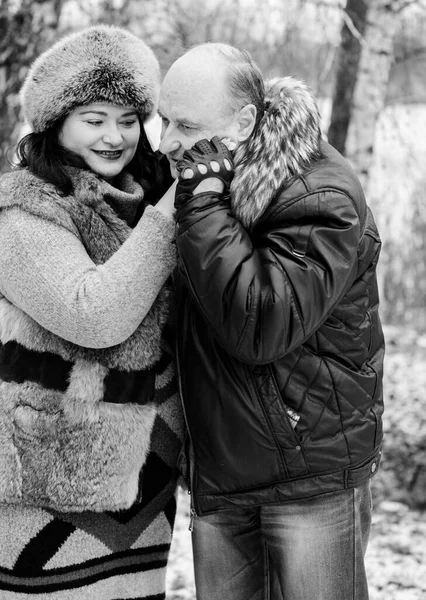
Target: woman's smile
109	154
116	128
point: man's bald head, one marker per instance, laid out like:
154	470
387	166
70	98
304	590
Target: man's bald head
213	89
201	69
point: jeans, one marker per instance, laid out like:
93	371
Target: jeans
309	549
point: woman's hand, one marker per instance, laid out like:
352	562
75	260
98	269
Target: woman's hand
166	204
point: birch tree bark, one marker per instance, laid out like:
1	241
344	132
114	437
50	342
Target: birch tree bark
358	104
27	28
402	226
349	54
370	90
364	63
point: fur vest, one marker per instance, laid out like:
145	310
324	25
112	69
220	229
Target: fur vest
76	424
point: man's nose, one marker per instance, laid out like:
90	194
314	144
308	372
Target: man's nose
169	142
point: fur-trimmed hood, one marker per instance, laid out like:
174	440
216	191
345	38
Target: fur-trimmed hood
281	148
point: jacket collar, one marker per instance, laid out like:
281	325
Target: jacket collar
283	145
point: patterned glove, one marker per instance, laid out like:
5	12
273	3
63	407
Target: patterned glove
204	153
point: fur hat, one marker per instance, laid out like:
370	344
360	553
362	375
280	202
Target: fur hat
99	64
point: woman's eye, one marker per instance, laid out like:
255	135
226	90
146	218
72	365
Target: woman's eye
129	123
95	122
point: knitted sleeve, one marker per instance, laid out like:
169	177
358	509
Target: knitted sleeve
46	272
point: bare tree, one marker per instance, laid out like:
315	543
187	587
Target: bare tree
354	24
364	65
360	97
369	96
27	27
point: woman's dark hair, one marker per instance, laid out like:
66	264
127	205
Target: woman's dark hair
146	168
44	155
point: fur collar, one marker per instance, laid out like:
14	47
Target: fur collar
284	143
88	214
20	185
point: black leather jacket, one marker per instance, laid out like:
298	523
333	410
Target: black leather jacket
280	346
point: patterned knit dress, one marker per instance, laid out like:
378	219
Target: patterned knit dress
89	438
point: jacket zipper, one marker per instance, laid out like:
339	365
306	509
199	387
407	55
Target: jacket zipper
192	512
267	418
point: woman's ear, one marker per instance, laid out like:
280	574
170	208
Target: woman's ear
246	122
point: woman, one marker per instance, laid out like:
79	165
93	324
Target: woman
90	423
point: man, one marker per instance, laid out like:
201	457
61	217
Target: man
280	347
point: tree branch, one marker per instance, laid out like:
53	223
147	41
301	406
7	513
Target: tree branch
352	28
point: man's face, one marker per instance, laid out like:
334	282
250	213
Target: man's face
194	105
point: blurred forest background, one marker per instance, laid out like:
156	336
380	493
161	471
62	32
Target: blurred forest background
366	62
364	59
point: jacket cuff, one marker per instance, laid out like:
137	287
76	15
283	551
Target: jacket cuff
198	203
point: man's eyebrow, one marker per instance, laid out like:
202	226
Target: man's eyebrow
183	121
188	123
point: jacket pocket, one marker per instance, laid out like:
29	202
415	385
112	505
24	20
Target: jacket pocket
282	421
76	466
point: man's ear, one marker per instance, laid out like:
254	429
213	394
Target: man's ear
246	121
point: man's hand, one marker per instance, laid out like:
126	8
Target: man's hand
207	166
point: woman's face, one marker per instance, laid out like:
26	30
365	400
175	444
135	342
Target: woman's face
104	135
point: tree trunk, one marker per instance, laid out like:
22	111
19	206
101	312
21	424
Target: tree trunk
348	58
370	91
26	32
365	59
393	183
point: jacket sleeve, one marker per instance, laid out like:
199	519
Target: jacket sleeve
263	294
